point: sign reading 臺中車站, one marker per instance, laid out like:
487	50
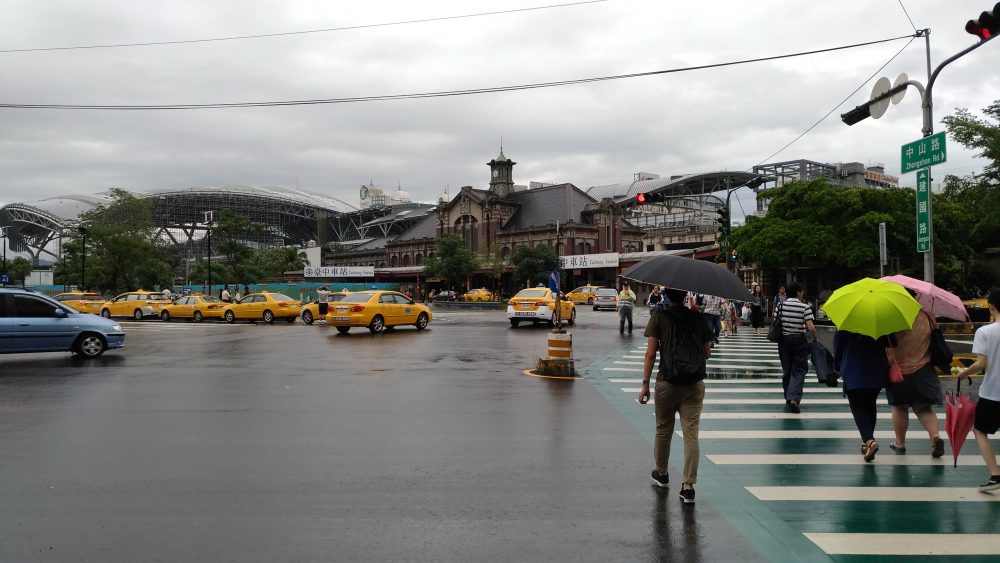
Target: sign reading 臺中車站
580	261
339	272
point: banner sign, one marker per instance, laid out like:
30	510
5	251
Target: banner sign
340	272
609	260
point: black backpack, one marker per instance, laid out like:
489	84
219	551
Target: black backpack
682	357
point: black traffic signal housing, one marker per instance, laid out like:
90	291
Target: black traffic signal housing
723	221
649	197
733	258
987	26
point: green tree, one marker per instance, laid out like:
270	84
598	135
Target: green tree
274	262
199	273
979	134
230	236
815	224
453	262
20	268
124	251
533	264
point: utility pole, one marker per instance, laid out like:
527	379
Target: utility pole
82	229
986	27
3	234
209	215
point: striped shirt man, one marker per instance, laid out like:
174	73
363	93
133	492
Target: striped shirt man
794	315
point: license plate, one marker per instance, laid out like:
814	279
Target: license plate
341	309
341	318
520	314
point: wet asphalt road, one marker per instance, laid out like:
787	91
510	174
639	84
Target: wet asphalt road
244	443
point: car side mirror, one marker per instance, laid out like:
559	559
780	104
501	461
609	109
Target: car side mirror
60	313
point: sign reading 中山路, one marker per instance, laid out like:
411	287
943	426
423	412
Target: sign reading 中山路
923	204
580	261
340	272
923	153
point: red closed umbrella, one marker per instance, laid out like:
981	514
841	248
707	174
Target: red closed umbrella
959	417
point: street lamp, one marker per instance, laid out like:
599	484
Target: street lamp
3	234
82	229
209	215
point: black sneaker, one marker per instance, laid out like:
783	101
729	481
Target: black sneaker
991	485
660	480
687	496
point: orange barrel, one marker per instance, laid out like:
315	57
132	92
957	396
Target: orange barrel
560	346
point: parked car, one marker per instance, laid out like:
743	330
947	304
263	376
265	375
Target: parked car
378	311
265	306
32	322
310	311
136	304
195	307
82	301
446	296
538	304
605	298
583	294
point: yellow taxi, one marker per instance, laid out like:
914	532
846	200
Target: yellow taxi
538	304
265	306
583	294
310	311
378	311
197	307
978	309
135	304
477	295
82	301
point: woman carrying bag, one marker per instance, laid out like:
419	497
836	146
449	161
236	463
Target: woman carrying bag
920	387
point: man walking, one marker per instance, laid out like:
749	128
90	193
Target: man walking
713	314
684	342
793	348
626	299
986	347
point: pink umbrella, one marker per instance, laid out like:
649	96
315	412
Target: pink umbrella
934	300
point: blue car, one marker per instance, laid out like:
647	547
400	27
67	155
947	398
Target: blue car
32	322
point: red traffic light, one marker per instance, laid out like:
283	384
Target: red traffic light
640	198
987	26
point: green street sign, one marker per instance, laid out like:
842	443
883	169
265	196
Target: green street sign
923	210
923	153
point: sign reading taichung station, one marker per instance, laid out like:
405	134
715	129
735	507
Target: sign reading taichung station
583	261
339	272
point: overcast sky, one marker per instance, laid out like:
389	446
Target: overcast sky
729	118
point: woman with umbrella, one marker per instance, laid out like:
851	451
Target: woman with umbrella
862	363
920	387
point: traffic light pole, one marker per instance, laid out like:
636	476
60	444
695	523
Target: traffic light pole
863	112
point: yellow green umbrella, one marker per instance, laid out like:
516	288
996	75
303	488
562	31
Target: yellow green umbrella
872	307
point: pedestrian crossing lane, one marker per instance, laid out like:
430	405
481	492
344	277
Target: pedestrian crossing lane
744	412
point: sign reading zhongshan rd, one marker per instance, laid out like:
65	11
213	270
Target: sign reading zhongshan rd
340	272
929	151
923	203
581	261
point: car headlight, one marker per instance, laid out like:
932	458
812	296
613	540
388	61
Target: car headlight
116	328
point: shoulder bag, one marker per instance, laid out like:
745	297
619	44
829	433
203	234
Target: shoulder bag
941	355
775	331
895	372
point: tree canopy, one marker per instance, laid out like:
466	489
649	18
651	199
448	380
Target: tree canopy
453	261
533	263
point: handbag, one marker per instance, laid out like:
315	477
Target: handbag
775	331
895	372
941	355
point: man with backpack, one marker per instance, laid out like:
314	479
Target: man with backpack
684	341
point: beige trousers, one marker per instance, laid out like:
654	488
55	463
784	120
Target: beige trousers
686	400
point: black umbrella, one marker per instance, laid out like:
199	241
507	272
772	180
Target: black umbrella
697	276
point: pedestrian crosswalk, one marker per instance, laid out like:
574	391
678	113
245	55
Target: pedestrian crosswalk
801	477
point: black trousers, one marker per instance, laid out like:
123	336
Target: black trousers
864	410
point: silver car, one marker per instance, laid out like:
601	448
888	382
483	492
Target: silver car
605	298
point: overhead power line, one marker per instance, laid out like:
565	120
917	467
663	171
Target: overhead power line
440	94
842	102
304	32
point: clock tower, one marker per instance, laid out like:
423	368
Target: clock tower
501	175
